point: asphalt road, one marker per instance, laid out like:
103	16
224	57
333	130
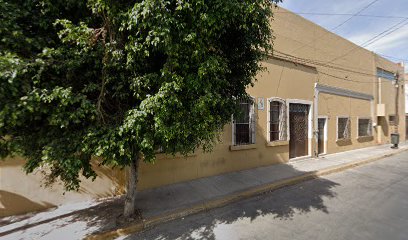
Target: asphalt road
367	202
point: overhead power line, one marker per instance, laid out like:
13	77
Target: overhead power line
310	62
386	32
343	14
339	25
376	38
325	52
354	15
346	79
328	74
387	56
319	63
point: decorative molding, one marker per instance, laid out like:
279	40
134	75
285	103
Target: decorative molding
343	92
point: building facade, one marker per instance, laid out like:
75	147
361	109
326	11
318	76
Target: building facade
319	94
406	105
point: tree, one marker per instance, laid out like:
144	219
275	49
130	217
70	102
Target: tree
120	79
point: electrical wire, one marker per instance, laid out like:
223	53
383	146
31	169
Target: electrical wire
386	33
375	38
319	49
387	56
319	63
345	79
354	15
339	25
343	14
306	62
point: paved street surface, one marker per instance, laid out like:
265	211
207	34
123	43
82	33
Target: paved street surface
368	202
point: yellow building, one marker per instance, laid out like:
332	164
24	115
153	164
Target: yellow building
320	94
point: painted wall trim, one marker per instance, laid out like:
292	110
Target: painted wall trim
309	121
320	88
343	92
325	134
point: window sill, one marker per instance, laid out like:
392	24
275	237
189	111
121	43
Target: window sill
277	143
242	147
365	138
344	142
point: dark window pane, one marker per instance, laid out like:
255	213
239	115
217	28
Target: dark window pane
364	127
242	134
243	114
274	118
343	128
392	120
274	136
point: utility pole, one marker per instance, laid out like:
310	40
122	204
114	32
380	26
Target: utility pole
397	86
395	136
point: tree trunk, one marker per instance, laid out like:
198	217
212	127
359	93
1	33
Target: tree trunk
130	199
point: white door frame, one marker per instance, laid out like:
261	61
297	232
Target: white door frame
325	138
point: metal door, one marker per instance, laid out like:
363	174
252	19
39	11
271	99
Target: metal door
320	137
298	116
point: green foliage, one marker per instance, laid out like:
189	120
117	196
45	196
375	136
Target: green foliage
119	79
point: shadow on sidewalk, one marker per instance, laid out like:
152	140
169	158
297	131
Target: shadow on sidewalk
14	203
283	203
101	216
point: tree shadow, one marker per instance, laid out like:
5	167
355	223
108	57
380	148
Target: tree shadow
101	216
15	203
282	204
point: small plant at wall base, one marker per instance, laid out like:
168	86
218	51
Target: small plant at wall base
120	79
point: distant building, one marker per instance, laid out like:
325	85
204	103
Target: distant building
406	106
406	93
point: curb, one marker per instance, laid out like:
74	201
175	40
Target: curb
235	197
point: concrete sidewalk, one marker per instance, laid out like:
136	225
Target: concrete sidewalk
159	205
187	194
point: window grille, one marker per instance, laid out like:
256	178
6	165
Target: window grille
244	124
392	120
364	127
343	128
277	121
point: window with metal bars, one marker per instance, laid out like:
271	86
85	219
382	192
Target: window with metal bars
244	124
364	127
277	120
343	128
392	120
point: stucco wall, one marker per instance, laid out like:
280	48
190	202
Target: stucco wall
341	64
21	193
278	81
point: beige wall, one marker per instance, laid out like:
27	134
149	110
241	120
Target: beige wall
331	61
21	193
355	69
222	159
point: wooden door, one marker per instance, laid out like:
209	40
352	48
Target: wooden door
320	137
298	124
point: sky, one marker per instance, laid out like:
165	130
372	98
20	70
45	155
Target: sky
360	29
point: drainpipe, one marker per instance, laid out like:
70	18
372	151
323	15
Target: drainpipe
395	136
315	120
379	127
397	86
